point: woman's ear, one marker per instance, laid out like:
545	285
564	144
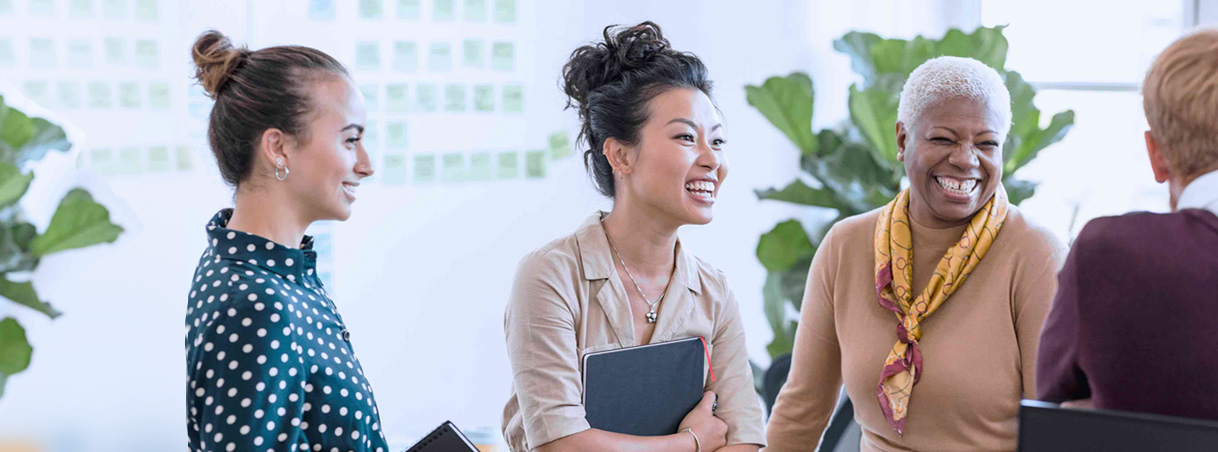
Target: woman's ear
618	155
901	136
273	146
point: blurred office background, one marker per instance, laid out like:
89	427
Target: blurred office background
475	166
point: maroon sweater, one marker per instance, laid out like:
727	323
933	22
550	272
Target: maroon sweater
1134	326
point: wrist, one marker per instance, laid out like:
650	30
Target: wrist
697	442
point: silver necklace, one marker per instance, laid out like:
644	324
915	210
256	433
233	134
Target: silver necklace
651	307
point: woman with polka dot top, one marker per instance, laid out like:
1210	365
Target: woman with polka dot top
269	364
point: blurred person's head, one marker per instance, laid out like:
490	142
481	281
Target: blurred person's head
953	117
287	122
1180	96
655	136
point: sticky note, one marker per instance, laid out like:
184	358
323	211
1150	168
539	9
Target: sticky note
145	10
443	10
559	145
116	51
114	9
371	97
322	10
185	162
472	51
394	171
484	98
102	161
129	160
80	8
158	159
509	165
396	99
368	55
424	168
480	166
475	10
502	56
158	95
370	9
453	167
395	135
6	7
8	55
129	94
440	57
505	11
535	164
38	91
69	94
146	53
427	98
80	54
454	98
42	53
408	9
405	56
42	7
100	95
513	99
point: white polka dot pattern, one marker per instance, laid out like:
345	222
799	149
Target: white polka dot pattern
267	365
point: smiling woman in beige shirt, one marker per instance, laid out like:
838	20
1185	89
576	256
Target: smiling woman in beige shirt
938	359
623	278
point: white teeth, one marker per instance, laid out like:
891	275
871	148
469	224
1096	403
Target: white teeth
963	187
700	186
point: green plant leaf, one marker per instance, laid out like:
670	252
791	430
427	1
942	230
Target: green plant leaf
874	112
1033	142
857	45
15	350
23	294
775	311
800	193
13	184
15	255
787	103
78	222
1018	190
783	246
47	136
15	127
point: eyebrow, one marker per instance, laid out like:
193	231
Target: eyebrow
691	123
958	133
357	127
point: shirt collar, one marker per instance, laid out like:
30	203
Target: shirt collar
1201	193
236	245
597	260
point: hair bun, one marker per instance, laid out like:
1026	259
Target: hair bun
595	65
215	60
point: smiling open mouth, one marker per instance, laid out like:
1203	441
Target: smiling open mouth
957	187
702	190
349	188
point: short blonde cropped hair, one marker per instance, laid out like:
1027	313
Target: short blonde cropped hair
1180	96
948	77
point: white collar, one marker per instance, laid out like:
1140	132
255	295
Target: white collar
1201	193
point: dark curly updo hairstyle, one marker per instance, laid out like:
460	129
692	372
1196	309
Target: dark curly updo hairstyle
255	91
611	82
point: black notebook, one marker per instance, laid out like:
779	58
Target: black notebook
445	438
645	390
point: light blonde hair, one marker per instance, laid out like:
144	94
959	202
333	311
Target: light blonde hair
1180	96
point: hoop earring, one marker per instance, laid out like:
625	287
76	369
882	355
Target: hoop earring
279	166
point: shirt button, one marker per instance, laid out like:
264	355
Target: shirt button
346	335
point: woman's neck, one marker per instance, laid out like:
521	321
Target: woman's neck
642	241
264	214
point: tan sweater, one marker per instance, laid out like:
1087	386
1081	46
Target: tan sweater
979	348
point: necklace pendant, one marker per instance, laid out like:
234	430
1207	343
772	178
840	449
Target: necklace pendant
651	316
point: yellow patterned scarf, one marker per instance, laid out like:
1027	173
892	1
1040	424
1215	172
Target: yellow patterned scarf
894	250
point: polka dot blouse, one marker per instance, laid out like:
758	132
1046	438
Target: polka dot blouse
268	363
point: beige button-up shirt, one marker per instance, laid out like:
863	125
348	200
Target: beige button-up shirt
567	301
